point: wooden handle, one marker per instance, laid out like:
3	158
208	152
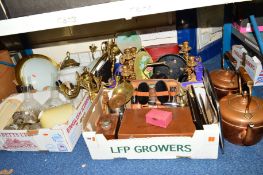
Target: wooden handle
244	75
232	61
229	56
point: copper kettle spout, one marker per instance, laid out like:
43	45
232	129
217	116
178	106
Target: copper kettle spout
248	136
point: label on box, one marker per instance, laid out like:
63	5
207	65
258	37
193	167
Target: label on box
203	144
252	65
18	141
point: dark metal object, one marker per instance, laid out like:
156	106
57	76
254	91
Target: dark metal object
203	109
211	93
174	67
199	107
194	112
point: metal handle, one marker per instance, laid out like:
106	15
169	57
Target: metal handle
244	75
222	63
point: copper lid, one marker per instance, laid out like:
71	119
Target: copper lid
224	79
233	110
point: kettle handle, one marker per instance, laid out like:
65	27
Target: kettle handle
222	63
244	75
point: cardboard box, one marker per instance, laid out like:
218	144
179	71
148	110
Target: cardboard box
252	65
60	139
7	76
203	144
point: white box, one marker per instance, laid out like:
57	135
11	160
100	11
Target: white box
253	66
202	145
237	53
60	139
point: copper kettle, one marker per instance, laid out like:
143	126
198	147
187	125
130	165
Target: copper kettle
242	118
225	81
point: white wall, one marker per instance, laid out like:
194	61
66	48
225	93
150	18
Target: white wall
81	53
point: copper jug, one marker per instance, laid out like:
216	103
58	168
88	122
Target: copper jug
242	118
225	82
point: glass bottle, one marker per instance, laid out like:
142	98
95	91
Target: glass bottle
30	107
54	99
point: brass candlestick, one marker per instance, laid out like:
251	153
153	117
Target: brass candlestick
185	49
191	63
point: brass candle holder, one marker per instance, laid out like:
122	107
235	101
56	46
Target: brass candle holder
191	63
185	49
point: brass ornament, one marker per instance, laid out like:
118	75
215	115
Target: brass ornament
117	101
68	62
127	60
191	63
124	88
93	49
185	49
87	81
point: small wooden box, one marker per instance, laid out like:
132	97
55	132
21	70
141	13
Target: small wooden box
159	117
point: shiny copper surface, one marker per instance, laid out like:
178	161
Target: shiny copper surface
225	82
240	126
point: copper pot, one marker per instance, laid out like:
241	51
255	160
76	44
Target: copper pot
225	82
242	120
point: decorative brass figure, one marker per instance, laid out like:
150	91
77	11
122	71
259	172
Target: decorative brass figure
127	60
90	82
105	102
